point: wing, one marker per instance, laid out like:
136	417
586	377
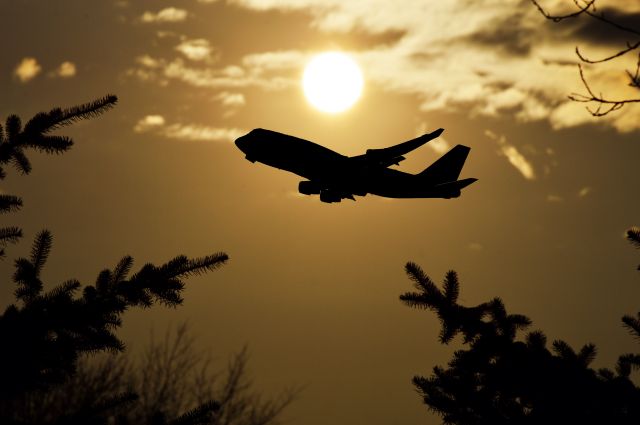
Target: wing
386	157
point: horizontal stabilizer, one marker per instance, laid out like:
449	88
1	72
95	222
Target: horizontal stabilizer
458	184
447	168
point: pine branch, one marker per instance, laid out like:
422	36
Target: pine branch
8	235
421	281
181	266
65	290
20	161
625	363
49	144
14	125
41	249
632	324
537	340
64	117
633	236
564	350
26	279
122	269
9	203
34	135
587	354
451	287
606	374
416	300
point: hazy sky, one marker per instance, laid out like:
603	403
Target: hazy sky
313	288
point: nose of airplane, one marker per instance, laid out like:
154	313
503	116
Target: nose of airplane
241	143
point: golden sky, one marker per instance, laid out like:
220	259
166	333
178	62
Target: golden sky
313	288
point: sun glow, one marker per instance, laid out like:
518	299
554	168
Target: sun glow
332	82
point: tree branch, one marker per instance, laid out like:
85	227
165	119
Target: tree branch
605	106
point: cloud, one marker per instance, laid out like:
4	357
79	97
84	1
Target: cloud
169	14
505	60
513	155
149	123
202	133
65	70
196	50
584	191
519	161
255	72
148	62
156	124
475	246
231	99
27	69
439	145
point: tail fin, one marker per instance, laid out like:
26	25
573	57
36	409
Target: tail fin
447	168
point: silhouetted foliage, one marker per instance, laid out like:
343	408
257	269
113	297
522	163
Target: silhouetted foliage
16	139
504	375
170	376
49	330
632	45
45	333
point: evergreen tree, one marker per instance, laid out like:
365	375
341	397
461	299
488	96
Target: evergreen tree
45	332
503	375
15	139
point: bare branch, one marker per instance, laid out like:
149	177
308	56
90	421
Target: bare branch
630	47
557	18
605	106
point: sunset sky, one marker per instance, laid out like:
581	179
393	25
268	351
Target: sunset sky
313	288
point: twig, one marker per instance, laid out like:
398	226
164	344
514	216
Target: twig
612	105
605	106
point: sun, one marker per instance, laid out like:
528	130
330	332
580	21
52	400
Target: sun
332	82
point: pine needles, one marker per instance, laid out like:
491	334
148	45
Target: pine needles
499	378
45	332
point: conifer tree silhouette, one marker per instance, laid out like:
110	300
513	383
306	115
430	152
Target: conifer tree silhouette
506	376
45	332
15	139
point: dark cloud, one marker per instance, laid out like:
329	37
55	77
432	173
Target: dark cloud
598	32
507	34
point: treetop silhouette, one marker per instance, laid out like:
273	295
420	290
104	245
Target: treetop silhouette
46	332
16	139
506	376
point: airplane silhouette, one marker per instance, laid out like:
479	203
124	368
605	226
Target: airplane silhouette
335	177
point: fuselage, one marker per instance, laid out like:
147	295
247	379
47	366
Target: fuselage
333	171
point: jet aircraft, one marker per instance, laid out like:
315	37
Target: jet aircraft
336	177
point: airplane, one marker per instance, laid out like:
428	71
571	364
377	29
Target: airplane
336	177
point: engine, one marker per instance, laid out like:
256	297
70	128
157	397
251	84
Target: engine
452	194
330	196
308	188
